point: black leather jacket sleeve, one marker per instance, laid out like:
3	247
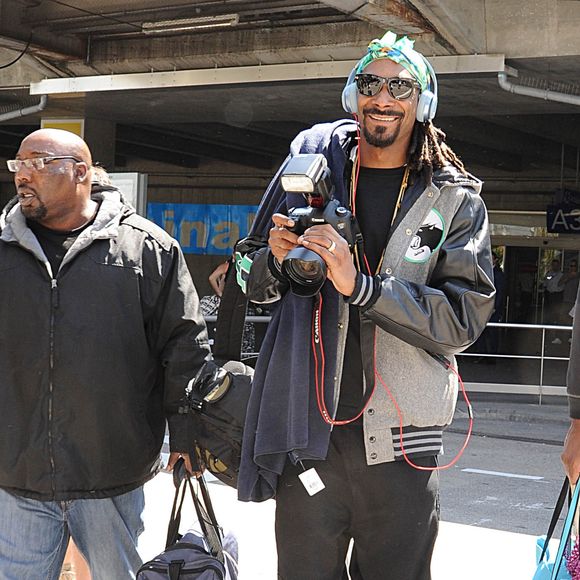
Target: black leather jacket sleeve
178	331
266	284
447	314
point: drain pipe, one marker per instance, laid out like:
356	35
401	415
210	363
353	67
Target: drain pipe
25	111
547	94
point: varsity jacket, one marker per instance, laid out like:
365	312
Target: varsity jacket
94	357
432	299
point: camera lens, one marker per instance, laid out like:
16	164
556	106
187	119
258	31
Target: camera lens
305	270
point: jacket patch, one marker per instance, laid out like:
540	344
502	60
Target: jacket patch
428	238
243	266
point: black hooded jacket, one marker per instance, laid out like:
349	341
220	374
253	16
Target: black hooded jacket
95	357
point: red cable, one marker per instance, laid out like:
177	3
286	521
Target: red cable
319	381
400	415
322	408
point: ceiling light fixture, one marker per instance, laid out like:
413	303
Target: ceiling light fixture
186	24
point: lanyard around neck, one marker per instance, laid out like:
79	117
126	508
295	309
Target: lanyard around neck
353	188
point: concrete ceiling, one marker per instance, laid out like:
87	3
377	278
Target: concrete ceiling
501	136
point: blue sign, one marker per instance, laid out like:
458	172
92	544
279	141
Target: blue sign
203	228
563	219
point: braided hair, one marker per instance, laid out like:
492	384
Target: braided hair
429	152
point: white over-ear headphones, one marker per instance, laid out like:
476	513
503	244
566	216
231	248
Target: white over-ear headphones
350	93
426	107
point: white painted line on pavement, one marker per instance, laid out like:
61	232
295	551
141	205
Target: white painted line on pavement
502	474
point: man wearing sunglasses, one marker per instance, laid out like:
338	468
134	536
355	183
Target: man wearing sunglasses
354	387
101	331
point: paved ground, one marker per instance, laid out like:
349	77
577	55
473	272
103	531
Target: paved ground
462	551
510	418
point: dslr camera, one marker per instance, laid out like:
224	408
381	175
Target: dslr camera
309	175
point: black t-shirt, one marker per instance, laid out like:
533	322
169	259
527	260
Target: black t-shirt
55	243
377	193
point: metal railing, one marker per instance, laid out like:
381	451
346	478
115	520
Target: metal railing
540	355
538	388
252	319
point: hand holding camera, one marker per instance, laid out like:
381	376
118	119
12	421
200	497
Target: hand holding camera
336	253
282	239
314	241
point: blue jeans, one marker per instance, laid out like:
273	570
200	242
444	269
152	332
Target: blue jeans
34	535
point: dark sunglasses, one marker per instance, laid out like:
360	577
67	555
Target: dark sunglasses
399	88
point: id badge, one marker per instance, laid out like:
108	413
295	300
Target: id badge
311	481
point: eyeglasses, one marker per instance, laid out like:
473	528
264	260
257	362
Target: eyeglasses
399	88
36	163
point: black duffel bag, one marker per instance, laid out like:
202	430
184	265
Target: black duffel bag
218	399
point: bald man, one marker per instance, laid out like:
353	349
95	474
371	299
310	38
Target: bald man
100	332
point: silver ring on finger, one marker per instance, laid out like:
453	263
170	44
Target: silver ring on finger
332	247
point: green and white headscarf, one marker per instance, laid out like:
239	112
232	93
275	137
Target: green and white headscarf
400	51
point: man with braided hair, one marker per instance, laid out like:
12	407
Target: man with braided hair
354	385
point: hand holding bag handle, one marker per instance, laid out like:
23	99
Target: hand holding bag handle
205	512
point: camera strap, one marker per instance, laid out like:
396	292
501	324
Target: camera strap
230	319
360	257
319	370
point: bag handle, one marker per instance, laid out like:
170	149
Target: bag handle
175	518
205	512
556	515
207	520
566	531
207	501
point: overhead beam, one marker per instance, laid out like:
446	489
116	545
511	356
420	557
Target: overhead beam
16	34
546	149
394	14
233	47
469	64
262	142
184	145
559	128
484	134
486	156
130	148
461	24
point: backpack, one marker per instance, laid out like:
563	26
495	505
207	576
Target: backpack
197	555
218	396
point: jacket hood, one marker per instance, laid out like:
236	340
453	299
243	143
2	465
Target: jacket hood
450	175
97	189
323	138
112	210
